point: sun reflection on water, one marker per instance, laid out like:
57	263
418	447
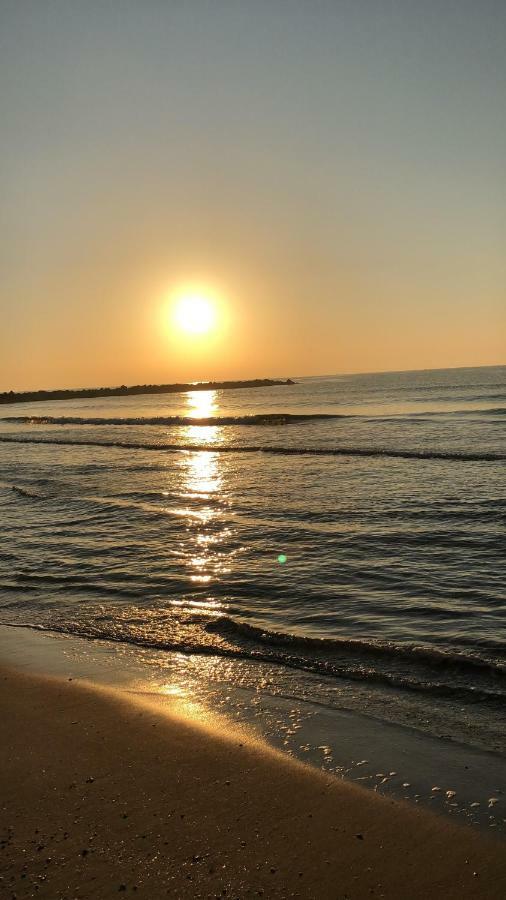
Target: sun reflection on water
202	487
207	607
202	475
172	690
203	405
203	482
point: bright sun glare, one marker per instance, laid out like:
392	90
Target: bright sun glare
195	313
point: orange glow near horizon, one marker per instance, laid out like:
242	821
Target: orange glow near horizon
160	226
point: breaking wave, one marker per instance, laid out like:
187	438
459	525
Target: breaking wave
399	666
256	419
384	452
253	419
28	493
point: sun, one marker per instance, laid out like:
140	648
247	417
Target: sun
194	312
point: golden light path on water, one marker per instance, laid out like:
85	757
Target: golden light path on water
202	483
201	491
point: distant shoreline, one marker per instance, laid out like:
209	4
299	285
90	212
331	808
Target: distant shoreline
132	390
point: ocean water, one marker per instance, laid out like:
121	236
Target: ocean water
340	540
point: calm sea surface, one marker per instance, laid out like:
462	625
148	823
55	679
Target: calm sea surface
356	560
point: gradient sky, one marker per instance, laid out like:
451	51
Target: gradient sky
336	171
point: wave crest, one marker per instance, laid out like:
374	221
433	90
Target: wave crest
253	419
382	452
469	679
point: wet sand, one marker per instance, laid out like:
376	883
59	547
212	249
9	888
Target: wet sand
102	795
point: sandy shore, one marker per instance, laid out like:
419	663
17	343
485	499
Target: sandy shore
103	796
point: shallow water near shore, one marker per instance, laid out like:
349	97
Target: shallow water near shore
445	776
339	542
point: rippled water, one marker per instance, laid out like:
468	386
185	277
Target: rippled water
348	530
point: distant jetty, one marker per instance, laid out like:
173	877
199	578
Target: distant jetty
126	391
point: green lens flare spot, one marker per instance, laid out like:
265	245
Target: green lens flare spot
282	559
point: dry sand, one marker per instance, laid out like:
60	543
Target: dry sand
103	797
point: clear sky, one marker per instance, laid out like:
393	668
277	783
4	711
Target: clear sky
332	174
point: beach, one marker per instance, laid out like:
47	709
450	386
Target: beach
105	794
252	451
222	635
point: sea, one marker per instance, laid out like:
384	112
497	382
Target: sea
339	541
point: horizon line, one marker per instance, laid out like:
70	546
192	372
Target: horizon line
257	378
